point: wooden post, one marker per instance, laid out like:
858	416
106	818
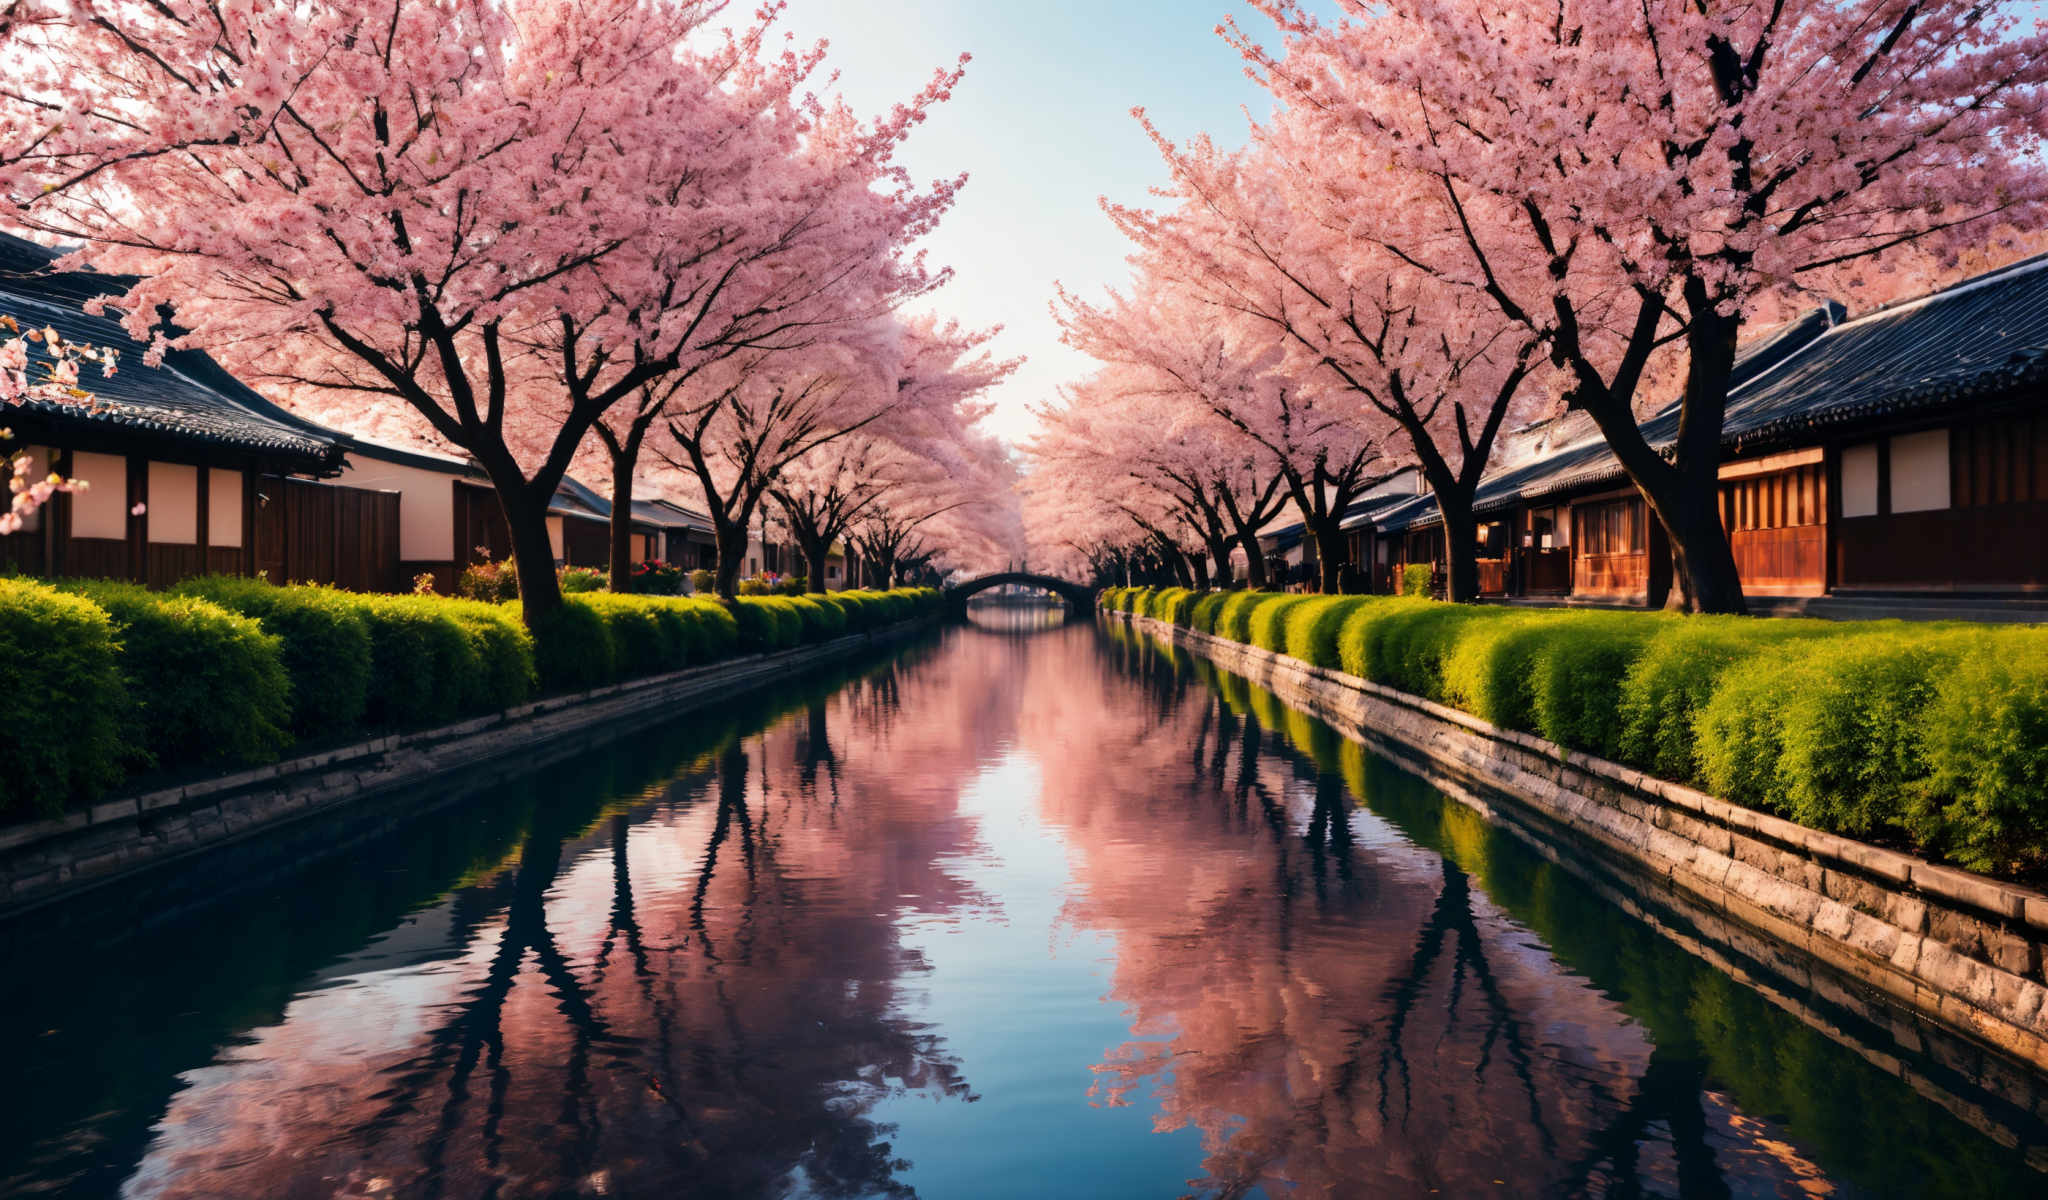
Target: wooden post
138	524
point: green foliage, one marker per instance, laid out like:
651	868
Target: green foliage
791	585
1209	606
1268	625
1984	802
1314	625
1672	680
702	581
1417	578
506	675
1490	673
572	652
641	642
1402	643
205	685
1235	621
767	623
325	646
62	701
422	662
1577	671
655	578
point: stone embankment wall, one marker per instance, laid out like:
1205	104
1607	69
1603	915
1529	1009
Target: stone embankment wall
65	856
1962	949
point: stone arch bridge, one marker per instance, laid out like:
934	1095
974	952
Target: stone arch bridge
1079	595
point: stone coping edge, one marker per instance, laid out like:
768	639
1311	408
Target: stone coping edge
372	760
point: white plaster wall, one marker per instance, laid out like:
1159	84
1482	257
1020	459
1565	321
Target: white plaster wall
224	509
555	536
1920	471
173	504
101	510
426	505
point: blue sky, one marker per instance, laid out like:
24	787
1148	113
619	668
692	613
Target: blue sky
1042	126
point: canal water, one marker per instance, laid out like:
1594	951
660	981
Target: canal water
1019	910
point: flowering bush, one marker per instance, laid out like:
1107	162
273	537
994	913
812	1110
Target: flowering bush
491	582
584	579
656	578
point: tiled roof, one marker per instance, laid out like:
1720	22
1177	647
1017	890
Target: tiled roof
186	398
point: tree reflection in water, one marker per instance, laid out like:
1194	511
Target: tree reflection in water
1327	993
699	984
696	964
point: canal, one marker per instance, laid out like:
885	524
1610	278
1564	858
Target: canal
1019	910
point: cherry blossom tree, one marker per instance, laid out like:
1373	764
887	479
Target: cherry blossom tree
1325	450
1621	175
942	371
507	217
37	366
1269	235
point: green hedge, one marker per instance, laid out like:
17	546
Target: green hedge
103	678
205	685
63	703
1934	735
325	646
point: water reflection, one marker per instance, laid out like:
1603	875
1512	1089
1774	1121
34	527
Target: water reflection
937	925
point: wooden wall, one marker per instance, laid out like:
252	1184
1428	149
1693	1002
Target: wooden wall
310	532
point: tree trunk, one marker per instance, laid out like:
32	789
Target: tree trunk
814	560
1255	577
1331	553
540	589
1200	566
732	549
1461	549
622	526
1219	552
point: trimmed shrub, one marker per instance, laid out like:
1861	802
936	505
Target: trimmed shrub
1269	622
506	675
422	662
205	685
1417	579
1202	616
62	700
571	650
641	642
766	623
821	622
702	581
324	645
1403	642
1490	672
1576	675
1313	627
1830	737
1984	803
1235	621
1675	676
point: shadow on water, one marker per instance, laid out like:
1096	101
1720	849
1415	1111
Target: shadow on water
1882	1105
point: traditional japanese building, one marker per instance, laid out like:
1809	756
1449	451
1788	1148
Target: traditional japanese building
1893	462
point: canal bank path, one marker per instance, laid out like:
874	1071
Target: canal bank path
1020	909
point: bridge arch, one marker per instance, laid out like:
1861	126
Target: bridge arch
1079	595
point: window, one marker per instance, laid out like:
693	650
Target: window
1779	500
101	510
224	509
1548	529
173	504
1920	471
1859	480
1610	527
